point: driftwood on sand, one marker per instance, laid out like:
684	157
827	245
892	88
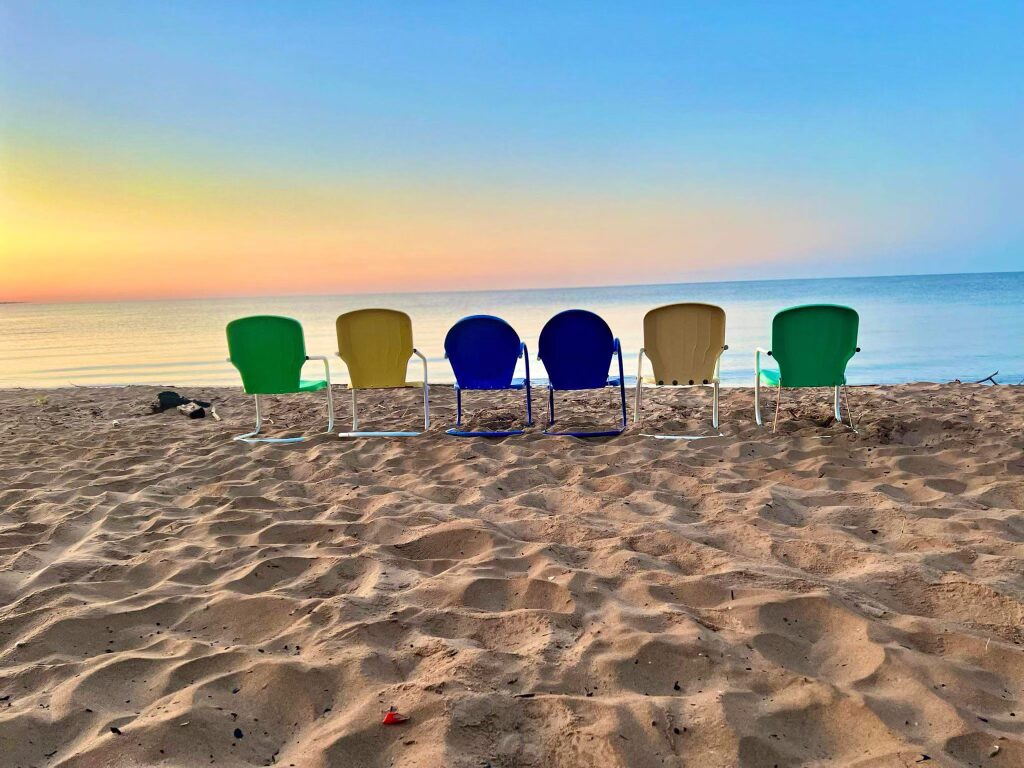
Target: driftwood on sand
991	377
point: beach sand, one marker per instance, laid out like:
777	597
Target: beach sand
814	597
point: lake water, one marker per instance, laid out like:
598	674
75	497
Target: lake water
920	328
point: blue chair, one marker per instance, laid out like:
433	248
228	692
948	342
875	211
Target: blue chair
483	351
577	348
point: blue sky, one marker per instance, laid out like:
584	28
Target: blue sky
691	140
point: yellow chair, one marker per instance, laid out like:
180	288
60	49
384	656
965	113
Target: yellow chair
376	345
684	343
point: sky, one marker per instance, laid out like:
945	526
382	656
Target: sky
180	149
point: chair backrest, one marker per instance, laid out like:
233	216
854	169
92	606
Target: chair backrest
684	342
376	345
483	351
813	343
268	352
576	347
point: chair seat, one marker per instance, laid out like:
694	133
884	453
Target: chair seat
651	381
771	378
514	384
312	385
613	381
406	385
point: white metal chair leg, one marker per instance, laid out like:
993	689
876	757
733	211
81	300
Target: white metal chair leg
426	406
639	403
757	398
330	396
426	411
778	403
259	423
638	400
252	437
426	391
330	410
849	413
259	414
840	395
714	421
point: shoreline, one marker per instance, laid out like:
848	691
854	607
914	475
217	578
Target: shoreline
445	386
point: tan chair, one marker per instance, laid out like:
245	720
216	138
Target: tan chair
376	345
684	343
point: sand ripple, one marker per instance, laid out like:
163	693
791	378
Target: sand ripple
170	597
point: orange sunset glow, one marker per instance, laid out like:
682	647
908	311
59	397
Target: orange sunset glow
76	228
142	159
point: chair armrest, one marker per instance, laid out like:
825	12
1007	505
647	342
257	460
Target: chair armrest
718	360
422	357
757	358
522	349
327	365
426	390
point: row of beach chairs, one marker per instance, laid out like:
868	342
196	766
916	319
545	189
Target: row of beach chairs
683	343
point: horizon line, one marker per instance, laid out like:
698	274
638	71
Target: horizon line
217	297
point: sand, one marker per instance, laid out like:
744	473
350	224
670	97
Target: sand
816	597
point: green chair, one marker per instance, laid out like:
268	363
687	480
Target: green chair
269	353
811	345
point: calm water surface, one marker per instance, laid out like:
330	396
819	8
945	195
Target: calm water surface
921	328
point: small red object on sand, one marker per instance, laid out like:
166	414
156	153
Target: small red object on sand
394	717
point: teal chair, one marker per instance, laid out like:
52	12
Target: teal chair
811	345
269	353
